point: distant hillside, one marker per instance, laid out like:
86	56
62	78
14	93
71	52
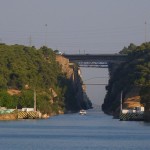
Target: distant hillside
24	70
132	78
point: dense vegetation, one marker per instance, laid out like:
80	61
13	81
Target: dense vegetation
28	69
135	73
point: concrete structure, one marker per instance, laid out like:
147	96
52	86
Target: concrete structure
139	110
27	109
136	114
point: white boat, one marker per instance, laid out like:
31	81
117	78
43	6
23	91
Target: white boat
82	112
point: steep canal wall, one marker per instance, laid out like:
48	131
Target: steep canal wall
41	80
73	73
116	87
79	99
129	83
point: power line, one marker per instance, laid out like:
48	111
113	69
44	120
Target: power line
95	78
95	84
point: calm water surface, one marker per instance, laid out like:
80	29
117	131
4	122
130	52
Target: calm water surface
95	131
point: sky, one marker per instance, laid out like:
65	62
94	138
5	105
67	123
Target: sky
76	26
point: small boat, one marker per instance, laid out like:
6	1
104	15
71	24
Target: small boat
82	112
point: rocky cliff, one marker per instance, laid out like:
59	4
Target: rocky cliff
73	74
130	78
118	85
30	75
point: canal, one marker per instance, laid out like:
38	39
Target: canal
94	131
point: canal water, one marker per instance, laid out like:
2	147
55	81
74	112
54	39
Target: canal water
94	131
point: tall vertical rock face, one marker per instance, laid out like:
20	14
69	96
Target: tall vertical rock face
65	66
118	84
73	74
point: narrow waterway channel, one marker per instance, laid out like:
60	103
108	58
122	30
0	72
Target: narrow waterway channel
94	131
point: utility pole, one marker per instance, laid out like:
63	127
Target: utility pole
121	102
34	99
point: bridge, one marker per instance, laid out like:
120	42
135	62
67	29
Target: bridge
96	60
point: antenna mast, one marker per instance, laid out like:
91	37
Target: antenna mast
145	31
45	34
30	41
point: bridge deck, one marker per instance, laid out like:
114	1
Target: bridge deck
96	60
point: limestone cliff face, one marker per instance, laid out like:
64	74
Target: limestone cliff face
73	73
65	66
132	99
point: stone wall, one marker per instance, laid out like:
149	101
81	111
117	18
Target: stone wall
8	116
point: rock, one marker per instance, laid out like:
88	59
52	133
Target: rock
45	116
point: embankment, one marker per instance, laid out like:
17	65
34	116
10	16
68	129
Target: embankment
11	116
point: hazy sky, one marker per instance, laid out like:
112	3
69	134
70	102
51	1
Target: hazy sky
91	26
